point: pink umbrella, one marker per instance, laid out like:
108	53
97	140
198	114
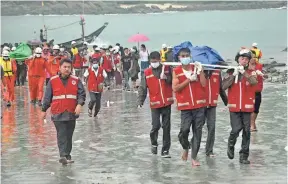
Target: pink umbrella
138	38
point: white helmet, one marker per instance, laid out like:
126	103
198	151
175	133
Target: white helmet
116	48
73	42
56	47
13	48
85	43
6	48
132	50
254	45
97	49
5	53
38	50
164	46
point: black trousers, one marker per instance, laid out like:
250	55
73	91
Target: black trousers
95	99
65	131
195	118
240	121
21	74
166	126
210	118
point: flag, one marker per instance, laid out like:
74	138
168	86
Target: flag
42	3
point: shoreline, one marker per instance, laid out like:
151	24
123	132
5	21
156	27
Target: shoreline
23	8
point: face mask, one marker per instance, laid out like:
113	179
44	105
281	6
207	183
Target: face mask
5	58
95	66
155	65
107	53
185	61
38	55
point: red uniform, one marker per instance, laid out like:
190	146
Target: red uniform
54	64
78	61
192	96
107	63
259	86
212	88
64	97
94	81
241	96
160	92
9	69
36	76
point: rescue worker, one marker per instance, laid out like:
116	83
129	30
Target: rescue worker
158	79
77	60
258	52
189	87
241	97
95	80
46	55
107	65
66	96
9	68
163	52
258	67
213	89
37	66
54	61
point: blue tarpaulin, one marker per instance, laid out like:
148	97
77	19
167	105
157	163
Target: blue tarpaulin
202	54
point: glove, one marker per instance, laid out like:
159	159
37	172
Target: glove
236	71
258	72
163	76
241	69
193	78
198	66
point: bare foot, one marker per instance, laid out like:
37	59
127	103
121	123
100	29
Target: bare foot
195	163
185	155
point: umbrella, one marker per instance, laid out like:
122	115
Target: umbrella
138	38
34	42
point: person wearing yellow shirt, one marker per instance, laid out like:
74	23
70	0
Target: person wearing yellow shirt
258	52
163	53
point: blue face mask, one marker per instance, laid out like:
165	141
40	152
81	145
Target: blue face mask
185	61
95	66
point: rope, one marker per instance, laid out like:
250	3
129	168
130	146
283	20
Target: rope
63	26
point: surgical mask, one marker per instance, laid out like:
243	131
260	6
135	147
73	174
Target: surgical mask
95	66
185	61
5	58
38	55
155	65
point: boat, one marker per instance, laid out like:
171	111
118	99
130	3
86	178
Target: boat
89	38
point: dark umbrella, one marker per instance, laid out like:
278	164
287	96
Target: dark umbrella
34	42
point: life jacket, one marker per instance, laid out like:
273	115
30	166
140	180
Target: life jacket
64	97
78	62
163	55
212	88
116	58
7	67
36	66
160	92
74	51
96	55
257	52
193	96
54	65
107	63
241	96
94	81
259	86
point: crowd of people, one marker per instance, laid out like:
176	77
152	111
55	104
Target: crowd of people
195	88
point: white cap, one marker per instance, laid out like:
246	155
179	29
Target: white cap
116	48
73	42
38	50
6	48
5	53
56	47
254	44
97	48
164	46
13	48
85	43
170	47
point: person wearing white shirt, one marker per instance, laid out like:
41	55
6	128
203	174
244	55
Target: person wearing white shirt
95	76
144	58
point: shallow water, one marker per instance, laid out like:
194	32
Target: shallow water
115	147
